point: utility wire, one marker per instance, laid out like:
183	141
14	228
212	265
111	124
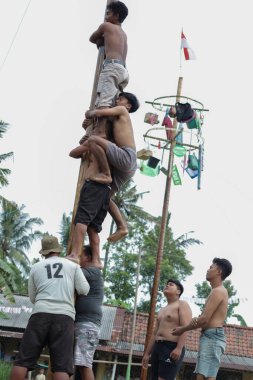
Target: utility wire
14	37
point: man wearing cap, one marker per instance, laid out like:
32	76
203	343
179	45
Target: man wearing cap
51	286
166	350
121	155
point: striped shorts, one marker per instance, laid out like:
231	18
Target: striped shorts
112	80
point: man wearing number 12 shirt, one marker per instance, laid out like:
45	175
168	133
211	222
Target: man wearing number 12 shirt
51	287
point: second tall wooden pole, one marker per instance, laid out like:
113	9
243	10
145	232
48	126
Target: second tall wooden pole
160	248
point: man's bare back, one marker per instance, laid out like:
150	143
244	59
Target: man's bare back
115	40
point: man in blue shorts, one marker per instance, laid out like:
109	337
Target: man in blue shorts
88	317
166	350
51	287
212	342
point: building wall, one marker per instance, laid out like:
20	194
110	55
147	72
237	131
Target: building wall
247	376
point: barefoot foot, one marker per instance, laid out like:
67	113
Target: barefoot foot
118	234
97	263
75	259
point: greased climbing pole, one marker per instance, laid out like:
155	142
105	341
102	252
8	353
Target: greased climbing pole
100	60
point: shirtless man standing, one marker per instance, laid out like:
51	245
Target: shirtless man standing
212	340
167	351
122	158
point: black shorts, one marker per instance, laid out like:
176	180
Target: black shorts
161	363
93	204
53	330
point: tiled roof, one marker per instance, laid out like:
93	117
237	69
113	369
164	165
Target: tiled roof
117	329
239	339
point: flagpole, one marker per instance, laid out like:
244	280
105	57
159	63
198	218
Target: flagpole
180	58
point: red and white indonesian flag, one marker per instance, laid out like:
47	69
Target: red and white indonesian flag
188	52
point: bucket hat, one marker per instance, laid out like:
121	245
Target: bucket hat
49	244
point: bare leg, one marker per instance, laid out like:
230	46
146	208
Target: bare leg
94	244
104	176
61	376
201	377
18	373
78	238
87	373
122	229
100	126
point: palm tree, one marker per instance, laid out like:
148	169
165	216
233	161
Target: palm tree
16	237
6	273
65	227
4	172
126	199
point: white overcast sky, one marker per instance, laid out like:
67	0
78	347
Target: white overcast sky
46	84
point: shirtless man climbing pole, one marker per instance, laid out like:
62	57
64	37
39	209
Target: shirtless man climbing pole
114	75
121	156
112	80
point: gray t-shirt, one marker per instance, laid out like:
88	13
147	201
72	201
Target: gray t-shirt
89	308
52	285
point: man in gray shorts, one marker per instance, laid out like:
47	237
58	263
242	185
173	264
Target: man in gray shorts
114	76
120	154
88	317
212	342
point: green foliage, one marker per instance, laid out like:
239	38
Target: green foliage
4	172
119	303
5	370
126	199
240	319
16	237
174	263
203	291
144	235
65	227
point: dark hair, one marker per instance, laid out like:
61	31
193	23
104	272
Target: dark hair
87	251
118	8
224	265
178	284
132	100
